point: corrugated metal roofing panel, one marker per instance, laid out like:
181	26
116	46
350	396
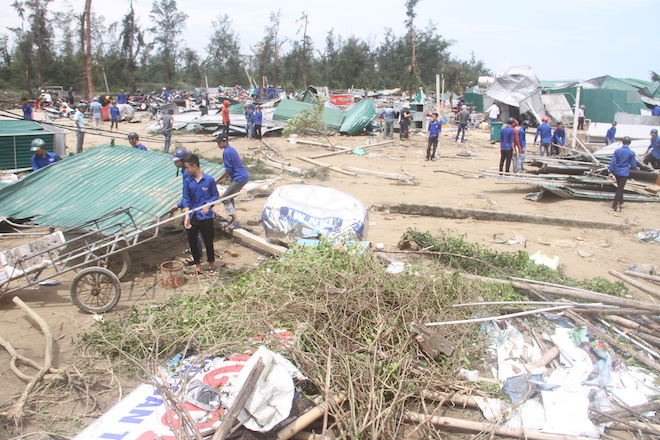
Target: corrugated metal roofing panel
557	107
93	183
358	116
19	127
287	109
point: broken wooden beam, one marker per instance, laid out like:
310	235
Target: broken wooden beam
482	214
325	165
274	159
259	243
642	276
402	177
318	156
653	292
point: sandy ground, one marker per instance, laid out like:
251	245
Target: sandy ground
607	249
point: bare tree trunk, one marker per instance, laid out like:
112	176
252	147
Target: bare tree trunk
413	60
90	90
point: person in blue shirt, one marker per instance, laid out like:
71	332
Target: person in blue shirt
507	140
199	189
544	131
70	96
97	114
611	132
522	146
623	161
177	158
558	139
435	127
258	120
114	116
122	98
238	176
166	95
41	157
656	111
653	151
134	140
388	116
27	109
249	121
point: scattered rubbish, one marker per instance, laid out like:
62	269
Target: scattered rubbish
379	246
49	282
516	240
649	237
540	258
203	395
645	268
358	151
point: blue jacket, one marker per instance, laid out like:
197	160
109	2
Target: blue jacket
234	166
655	147
545	131
609	137
121	99
507	138
27	111
249	115
184	176
559	137
140	147
258	117
196	194
435	127
522	138
114	112
656	111
40	162
622	161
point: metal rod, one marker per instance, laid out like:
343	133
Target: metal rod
496	318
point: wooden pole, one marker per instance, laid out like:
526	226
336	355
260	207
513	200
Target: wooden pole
304	420
325	165
318	156
642	275
637	284
271	147
482	214
575	115
403	177
239	402
468	425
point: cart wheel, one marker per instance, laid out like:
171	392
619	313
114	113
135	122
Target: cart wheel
95	290
118	263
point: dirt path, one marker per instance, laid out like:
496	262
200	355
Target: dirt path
605	249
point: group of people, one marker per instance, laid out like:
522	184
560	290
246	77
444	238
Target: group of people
403	117
253	121
550	143
513	139
199	191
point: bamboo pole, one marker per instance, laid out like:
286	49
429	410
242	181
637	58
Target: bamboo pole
305	419
273	149
653	292
402	177
325	165
642	275
468	425
318	156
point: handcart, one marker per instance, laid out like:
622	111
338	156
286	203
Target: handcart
95	249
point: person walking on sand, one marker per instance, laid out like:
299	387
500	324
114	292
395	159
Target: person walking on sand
97	115
623	160
463	120
114	116
249	121
435	127
198	190
79	120
522	146
544	131
167	123
507	141
225	116
404	122
238	175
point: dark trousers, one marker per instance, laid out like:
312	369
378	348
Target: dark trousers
461	128
257	131
114	123
225	128
208	233
432	147
505	155
618	197
580	123
650	160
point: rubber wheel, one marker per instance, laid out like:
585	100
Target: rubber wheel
95	290
118	264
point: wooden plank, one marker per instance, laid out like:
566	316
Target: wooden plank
325	165
273	149
274	159
259	242
318	156
482	214
403	177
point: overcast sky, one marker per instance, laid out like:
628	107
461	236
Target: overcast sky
560	39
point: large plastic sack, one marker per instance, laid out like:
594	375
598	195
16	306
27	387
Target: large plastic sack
126	112
302	211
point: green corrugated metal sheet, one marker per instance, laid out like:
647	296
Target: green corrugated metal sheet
358	116
287	109
15	139
98	181
602	104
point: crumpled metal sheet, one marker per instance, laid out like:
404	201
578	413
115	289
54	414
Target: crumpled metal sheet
303	211
512	88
